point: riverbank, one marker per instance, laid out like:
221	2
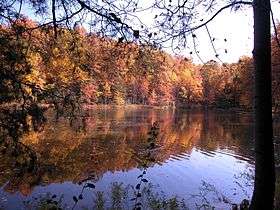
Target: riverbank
142	106
137	106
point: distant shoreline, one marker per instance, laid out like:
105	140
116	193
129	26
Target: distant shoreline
137	106
186	107
143	106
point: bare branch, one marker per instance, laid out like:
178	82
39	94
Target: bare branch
54	19
218	12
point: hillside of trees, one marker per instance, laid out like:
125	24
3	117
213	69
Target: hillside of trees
79	67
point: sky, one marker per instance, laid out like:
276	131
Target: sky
235	27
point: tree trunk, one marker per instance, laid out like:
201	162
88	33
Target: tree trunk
264	188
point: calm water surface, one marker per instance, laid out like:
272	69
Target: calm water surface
204	158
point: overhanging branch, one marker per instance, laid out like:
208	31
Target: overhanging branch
218	12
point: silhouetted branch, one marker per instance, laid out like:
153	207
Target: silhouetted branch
195	48
54	19
218	12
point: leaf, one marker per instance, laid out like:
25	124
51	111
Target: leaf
144	180
140	176
138	204
137	187
120	40
136	34
133	199
139	195
54	196
81	197
90	185
75	199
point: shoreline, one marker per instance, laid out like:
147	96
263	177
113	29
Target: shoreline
158	107
139	106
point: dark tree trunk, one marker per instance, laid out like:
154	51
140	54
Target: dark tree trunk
264	187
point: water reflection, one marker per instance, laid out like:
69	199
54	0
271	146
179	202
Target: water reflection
202	157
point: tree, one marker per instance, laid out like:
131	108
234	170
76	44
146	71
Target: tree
175	22
275	70
264	188
242	82
263	195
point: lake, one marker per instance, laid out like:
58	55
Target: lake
202	159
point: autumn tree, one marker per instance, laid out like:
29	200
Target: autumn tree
18	67
178	23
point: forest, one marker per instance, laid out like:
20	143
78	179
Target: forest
64	88
83	67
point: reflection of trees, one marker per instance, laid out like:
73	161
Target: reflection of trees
99	142
208	194
18	160
244	180
227	131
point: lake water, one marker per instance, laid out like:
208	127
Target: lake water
204	159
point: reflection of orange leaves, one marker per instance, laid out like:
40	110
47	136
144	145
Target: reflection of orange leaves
115	143
25	189
19	185
10	189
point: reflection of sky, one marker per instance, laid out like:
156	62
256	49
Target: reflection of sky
236	27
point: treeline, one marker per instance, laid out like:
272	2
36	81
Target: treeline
79	67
